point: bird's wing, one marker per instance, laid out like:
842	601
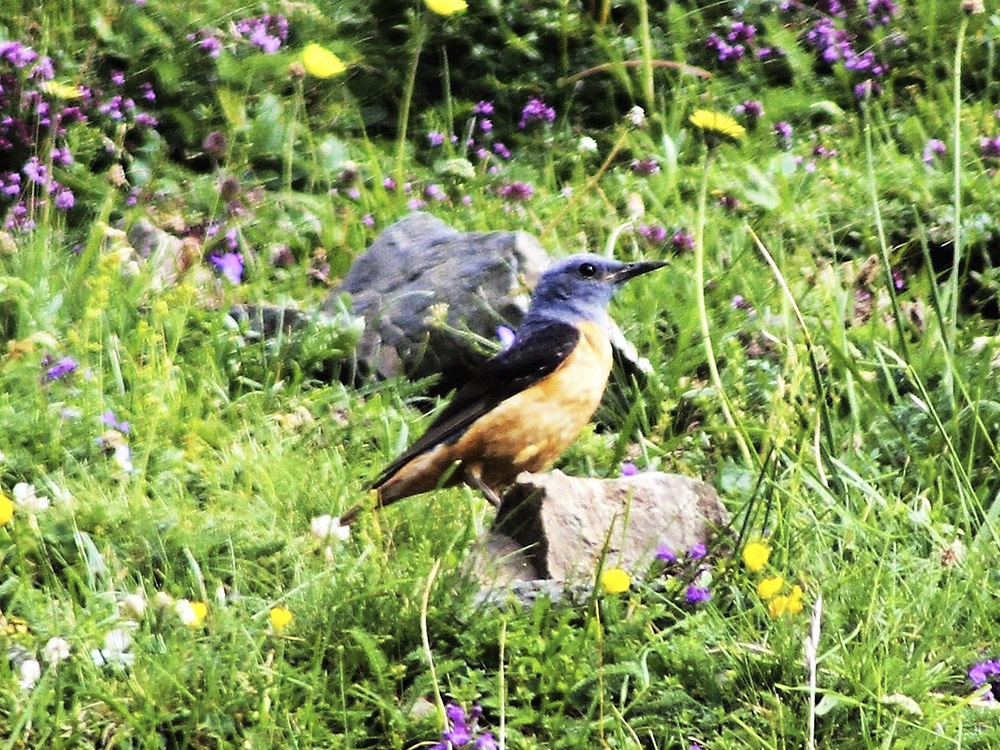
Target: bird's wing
535	353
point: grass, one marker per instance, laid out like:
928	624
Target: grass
826	355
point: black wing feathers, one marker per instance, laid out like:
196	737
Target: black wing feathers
536	353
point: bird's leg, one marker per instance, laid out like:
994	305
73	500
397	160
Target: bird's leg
474	476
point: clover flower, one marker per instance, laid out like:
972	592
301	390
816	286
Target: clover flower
62	369
697	594
229	265
986	673
629	469
615	581
461	730
536	110
26	498
327	527
654	233
517	191
664	553
56	650
30	671
933	149
681	240
116	652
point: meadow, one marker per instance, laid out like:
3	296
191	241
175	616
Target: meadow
821	177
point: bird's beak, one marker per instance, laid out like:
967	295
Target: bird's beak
631	270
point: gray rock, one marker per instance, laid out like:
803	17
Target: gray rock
556	527
427	291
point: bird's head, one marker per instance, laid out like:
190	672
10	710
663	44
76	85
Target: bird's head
581	286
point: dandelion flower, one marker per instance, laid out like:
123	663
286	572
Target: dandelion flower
321	62
716	126
6	509
768	587
755	556
446	7
615	581
280	617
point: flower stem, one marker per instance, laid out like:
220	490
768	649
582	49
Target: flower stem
951	298
706	334
404	109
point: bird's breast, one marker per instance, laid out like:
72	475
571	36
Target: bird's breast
531	429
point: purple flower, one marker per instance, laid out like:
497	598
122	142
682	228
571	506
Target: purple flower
517	191
645	167
739	303
664	553
11	182
867	89
682	240
653	233
415	204
988	147
35	171
882	11
483	108
729	202
117	78
629	469
62	369
210	46
698	551
459	733
109	419
501	150
230	265
64	199
783	130
435	138
741	32
486	125
752	110
536	111
697	595
17	54
933	149
389	184
435	192
486	742
986	673
506	336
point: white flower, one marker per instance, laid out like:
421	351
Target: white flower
326	527
31	671
163	600
637	116
123	457
185	611
134	605
25	497
56	650
587	145
116	650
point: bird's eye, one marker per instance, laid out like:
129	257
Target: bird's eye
587	270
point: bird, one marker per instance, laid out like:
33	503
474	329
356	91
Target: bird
526	405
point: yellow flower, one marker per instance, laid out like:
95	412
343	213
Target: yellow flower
716	125
6	509
60	90
755	556
192	614
615	580
281	618
777	606
795	600
446	7
321	62
768	587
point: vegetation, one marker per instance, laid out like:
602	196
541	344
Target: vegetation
824	348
